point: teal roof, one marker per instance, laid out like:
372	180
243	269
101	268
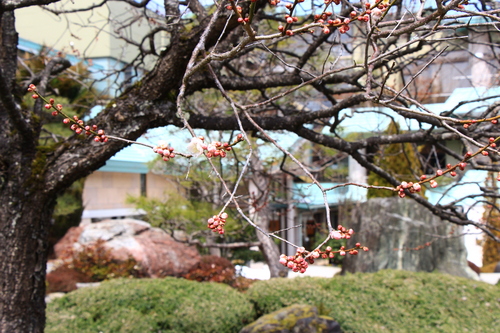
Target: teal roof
309	196
132	159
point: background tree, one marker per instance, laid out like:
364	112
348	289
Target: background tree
260	61
491	249
400	160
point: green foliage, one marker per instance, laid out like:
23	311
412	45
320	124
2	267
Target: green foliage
386	301
145	305
243	255
491	249
175	212
400	160
389	301
68	211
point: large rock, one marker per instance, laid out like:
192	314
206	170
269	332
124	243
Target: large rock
401	234
156	251
293	319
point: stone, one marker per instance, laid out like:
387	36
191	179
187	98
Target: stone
401	234
64	246
155	250
52	296
296	318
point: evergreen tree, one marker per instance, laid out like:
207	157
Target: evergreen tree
399	159
491	249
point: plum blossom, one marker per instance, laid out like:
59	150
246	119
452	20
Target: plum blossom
196	146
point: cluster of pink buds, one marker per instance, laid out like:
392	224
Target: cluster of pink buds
77	125
32	88
197	146
330	253
341	233
361	17
410	186
217	222
164	151
450	169
302	259
238	8
297	263
327	2
217	149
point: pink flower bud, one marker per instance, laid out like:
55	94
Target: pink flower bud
335	234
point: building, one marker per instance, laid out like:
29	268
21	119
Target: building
99	38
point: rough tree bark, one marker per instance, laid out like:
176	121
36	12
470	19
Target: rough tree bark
31	175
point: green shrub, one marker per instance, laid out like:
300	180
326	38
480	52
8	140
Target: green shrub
389	301
151	305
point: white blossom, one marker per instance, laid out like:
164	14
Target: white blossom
196	146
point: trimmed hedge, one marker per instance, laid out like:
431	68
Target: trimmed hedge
151	305
389	301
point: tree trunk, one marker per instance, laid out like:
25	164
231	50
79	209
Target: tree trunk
269	248
25	204
25	214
